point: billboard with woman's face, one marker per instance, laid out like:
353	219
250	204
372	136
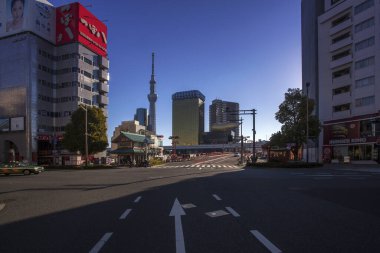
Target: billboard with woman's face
27	15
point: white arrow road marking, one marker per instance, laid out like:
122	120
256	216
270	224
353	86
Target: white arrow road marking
177	211
272	248
101	243
125	214
216	197
232	211
137	199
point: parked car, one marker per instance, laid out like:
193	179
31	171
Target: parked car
237	154
20	168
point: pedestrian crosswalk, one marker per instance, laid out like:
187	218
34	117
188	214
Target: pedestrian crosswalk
202	166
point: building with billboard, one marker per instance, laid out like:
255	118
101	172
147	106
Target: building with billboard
188	117
345	81
52	59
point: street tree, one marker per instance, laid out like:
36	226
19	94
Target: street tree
292	114
74	137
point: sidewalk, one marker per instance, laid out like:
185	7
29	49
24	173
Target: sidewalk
353	167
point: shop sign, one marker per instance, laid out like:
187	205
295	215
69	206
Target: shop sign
348	141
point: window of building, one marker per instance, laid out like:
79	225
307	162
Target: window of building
341	90
363	6
365	63
365	82
341	19
86	60
341	55
365	44
365	101
341	108
341	37
369	128
341	72
364	25
85	73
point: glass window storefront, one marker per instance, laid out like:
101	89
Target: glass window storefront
356	152
360	152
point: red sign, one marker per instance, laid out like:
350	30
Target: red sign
76	24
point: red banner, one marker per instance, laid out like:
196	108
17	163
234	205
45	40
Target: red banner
76	24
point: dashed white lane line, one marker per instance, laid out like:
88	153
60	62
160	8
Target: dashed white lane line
216	197
270	246
125	214
232	211
101	243
137	199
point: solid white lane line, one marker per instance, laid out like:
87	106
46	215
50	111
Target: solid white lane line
101	243
232	211
125	214
137	199
216	197
270	246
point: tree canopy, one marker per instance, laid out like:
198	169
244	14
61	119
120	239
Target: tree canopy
292	114
74	137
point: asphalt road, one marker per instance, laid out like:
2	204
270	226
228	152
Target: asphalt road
220	207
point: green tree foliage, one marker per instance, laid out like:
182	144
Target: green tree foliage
74	137
292	115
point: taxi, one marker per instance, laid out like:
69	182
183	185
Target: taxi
19	168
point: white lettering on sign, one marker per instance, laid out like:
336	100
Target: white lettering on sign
358	140
93	30
347	141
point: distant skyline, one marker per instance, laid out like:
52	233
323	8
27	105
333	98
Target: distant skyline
243	51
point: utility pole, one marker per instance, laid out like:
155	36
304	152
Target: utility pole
307	122
85	133
241	140
253	113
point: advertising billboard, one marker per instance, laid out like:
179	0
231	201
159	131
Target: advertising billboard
4	125
17	124
27	15
76	24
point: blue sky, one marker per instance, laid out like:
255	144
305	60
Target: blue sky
245	51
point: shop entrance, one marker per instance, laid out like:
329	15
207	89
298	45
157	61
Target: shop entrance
11	152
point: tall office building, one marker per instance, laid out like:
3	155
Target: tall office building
51	61
188	117
152	97
142	116
221	119
348	79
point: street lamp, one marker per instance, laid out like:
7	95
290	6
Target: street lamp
307	122
85	132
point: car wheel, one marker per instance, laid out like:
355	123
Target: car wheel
26	172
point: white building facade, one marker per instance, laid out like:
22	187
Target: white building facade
349	80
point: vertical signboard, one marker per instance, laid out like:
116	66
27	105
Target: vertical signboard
67	24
